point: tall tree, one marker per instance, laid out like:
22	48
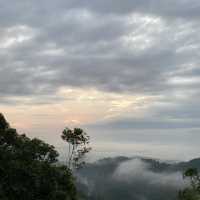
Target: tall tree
78	143
29	169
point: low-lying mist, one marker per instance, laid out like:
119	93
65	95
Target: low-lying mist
140	171
132	178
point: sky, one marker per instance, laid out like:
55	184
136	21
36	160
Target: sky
126	71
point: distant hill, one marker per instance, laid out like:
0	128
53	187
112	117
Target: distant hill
124	178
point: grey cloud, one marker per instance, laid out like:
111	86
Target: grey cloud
93	52
159	123
175	110
170	8
179	7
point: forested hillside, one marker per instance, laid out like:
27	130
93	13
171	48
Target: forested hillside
133	178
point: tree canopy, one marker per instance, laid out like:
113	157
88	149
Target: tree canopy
78	142
193	191
29	169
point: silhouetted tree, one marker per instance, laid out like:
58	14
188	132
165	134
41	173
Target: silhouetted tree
193	191
78	142
29	169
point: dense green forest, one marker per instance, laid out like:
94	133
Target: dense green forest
29	169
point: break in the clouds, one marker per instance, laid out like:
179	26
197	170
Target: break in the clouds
113	64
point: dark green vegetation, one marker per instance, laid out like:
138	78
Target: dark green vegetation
193	191
29	169
134	179
78	143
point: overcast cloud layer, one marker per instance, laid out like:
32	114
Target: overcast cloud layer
135	48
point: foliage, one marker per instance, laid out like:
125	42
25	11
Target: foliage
78	142
193	191
29	169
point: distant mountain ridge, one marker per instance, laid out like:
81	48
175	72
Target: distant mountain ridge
134	178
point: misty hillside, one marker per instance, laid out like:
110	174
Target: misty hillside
132	178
